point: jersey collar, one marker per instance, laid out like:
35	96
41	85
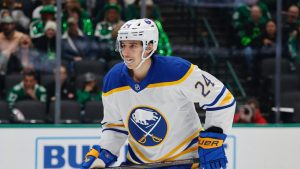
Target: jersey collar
139	86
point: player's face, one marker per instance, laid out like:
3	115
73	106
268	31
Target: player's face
132	51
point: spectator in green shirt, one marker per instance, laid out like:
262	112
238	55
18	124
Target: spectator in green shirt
89	90
27	89
106	31
290	34
243	13
164	47
72	8
37	26
251	39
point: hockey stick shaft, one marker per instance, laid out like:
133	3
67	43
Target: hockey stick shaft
159	164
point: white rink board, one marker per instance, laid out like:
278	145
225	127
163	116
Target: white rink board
40	147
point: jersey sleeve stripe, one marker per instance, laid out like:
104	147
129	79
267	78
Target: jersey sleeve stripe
216	99
116	130
116	90
226	99
174	82
222	107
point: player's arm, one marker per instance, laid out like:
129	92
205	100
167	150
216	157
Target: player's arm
203	88
113	137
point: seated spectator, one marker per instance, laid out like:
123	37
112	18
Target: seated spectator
269	36
290	33
111	20
89	90
73	9
27	89
67	91
21	21
251	38
10	4
17	5
152	12
133	10
4	12
76	45
252	30
249	113
37	26
290	21
36	12
9	40
106	31
25	59
269	40
100	13
243	13
46	46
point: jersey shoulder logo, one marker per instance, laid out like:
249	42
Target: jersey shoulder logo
147	126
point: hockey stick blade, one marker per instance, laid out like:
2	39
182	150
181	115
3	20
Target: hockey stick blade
159	164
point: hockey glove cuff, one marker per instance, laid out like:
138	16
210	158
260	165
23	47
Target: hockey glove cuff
98	157
211	150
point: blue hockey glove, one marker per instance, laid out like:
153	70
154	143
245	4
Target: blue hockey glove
98	157
211	150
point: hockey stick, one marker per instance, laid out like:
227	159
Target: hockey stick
159	164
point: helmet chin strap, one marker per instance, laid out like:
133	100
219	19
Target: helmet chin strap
142	57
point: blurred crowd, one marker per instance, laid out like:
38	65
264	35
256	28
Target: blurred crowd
255	26
89	31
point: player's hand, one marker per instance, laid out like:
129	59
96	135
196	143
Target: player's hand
98	158
211	150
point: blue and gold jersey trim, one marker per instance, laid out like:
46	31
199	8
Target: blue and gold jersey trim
174	82
223	100
154	85
115	130
116	90
119	128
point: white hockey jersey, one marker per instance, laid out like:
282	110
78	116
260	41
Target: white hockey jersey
158	115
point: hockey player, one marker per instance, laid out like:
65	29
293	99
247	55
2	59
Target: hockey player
149	101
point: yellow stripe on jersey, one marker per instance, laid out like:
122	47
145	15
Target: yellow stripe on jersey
116	90
226	99
115	125
174	82
166	156
191	149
